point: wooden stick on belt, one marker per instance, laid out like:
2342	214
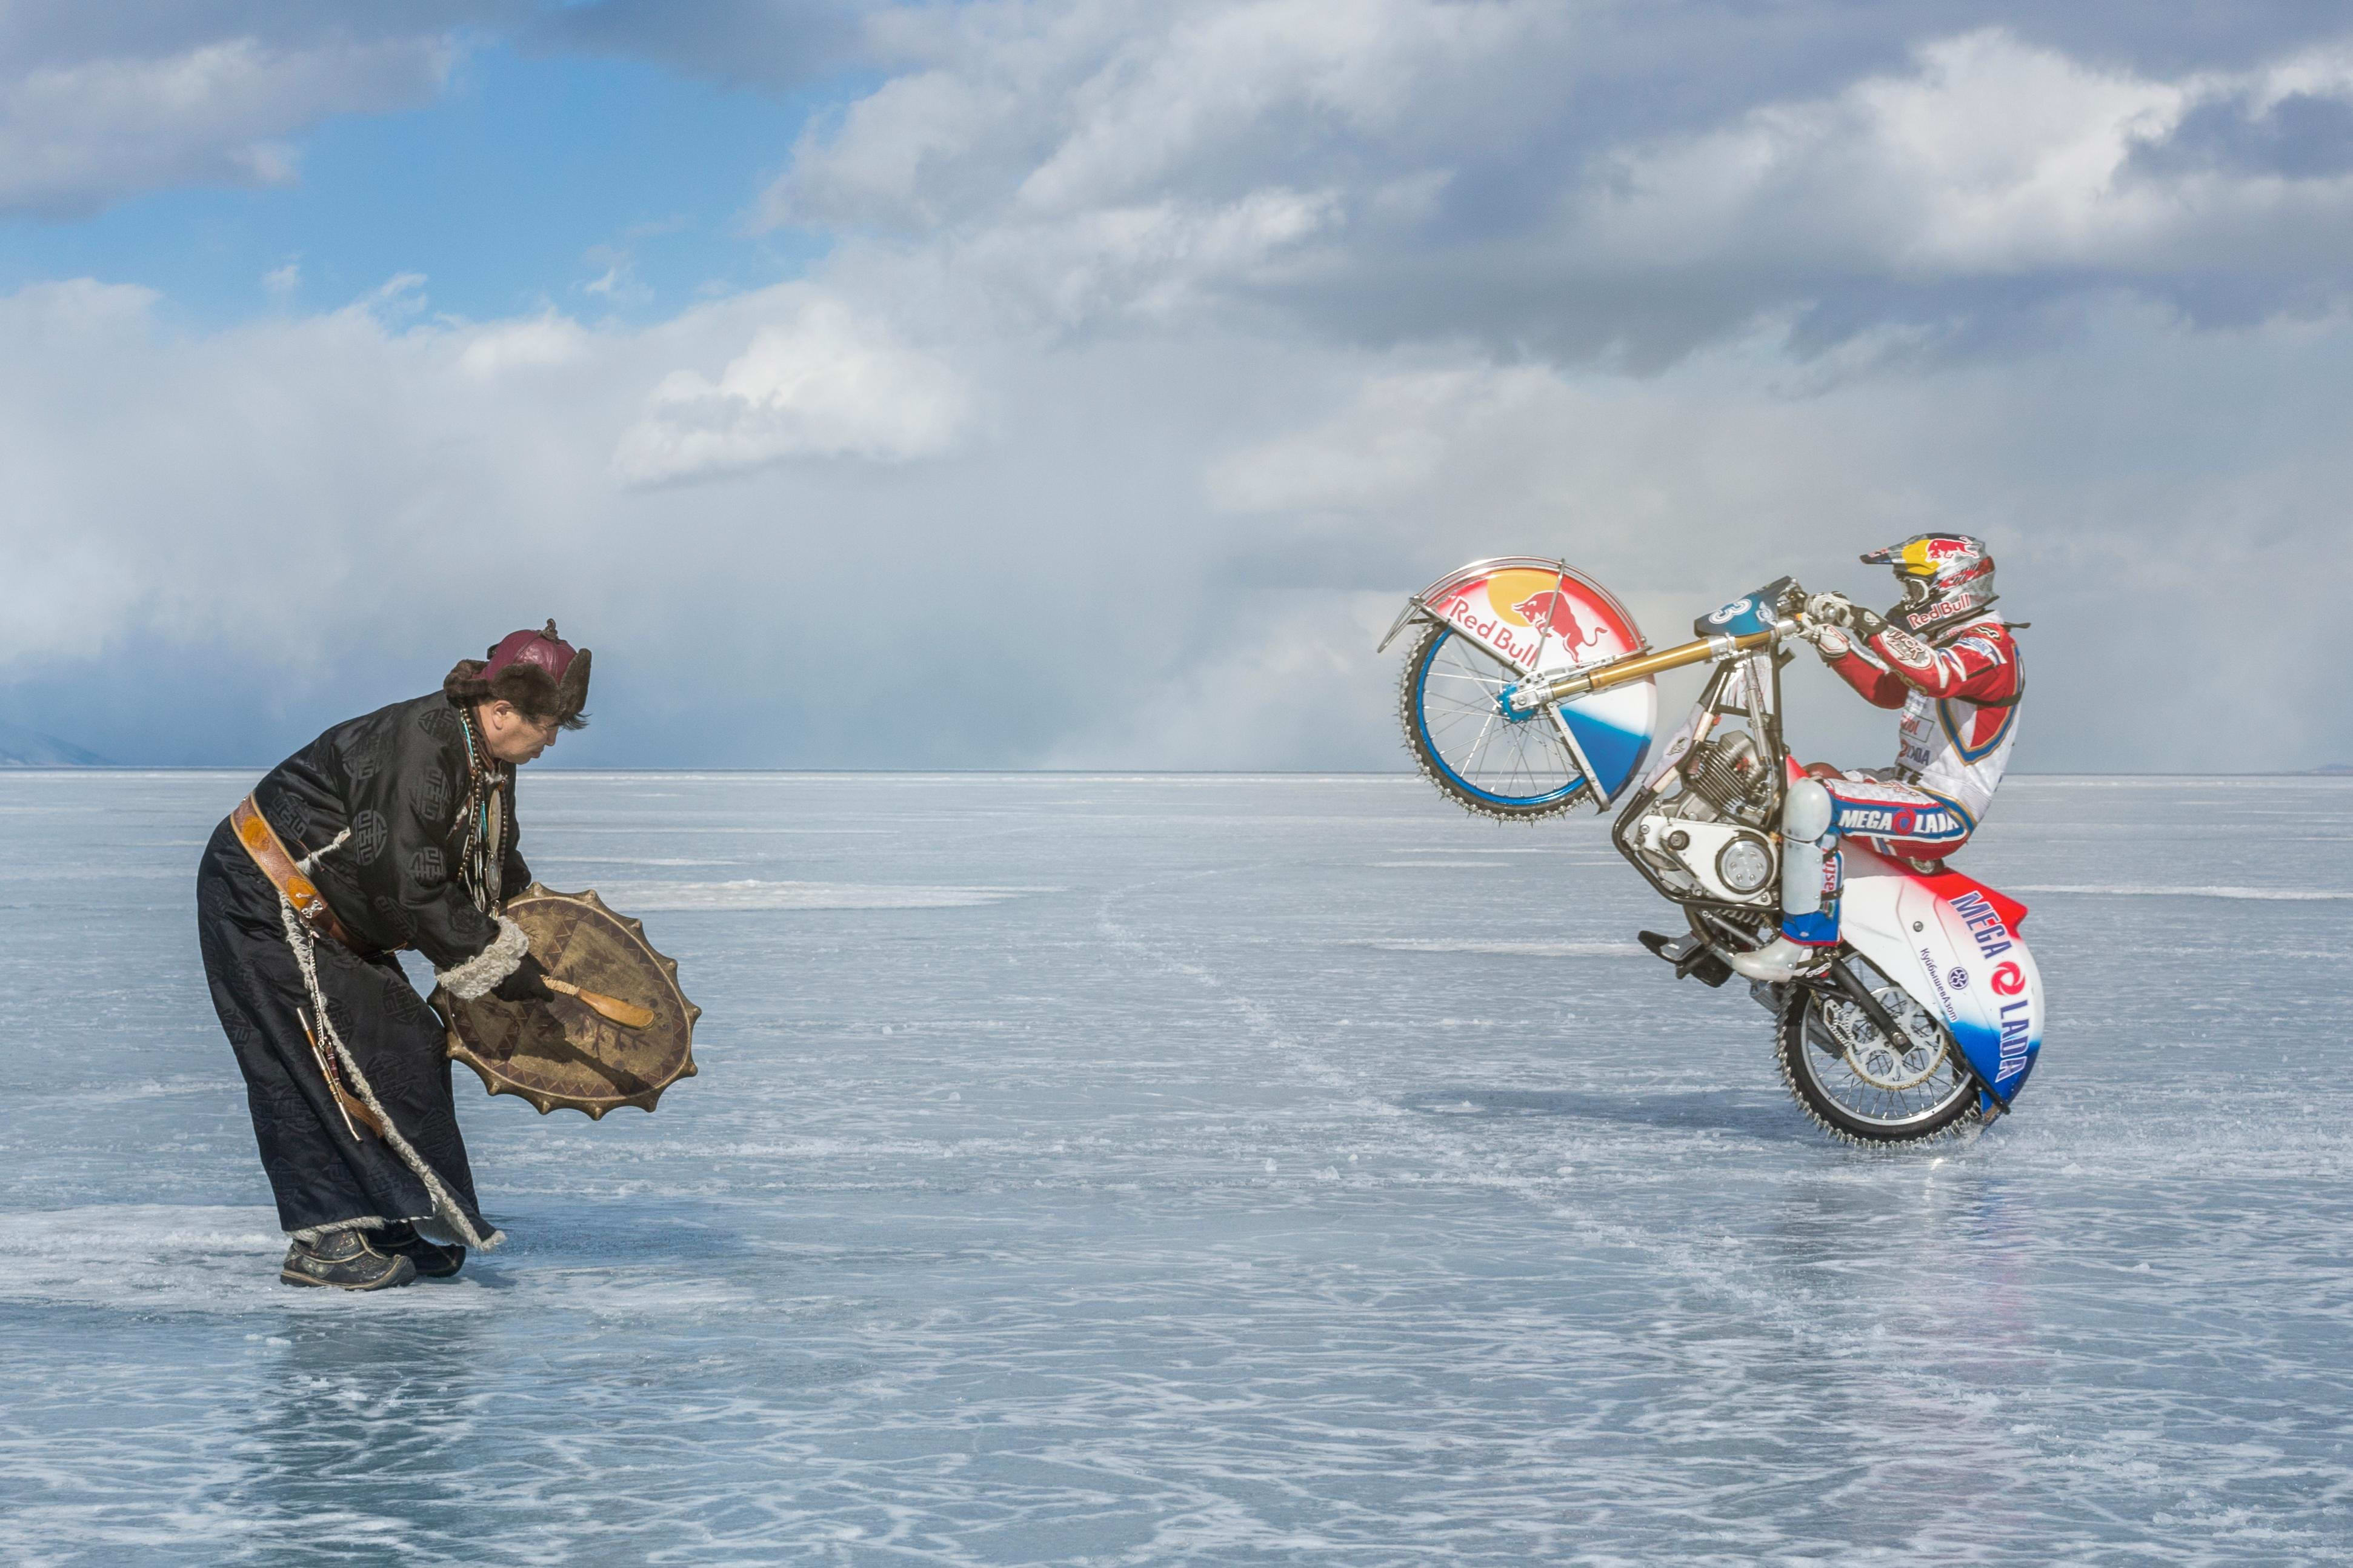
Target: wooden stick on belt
355	1111
261	842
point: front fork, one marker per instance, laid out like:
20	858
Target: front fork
1840	980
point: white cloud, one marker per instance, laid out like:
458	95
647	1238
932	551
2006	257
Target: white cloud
1542	177
1157	260
1085	161
1990	157
822	383
1290	686
1209	525
1393	441
1064	108
79	134
311	460
1204	90
535	343
1158	353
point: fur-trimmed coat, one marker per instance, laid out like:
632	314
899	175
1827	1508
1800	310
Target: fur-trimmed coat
380	802
377	809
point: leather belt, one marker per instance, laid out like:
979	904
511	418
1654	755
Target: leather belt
261	842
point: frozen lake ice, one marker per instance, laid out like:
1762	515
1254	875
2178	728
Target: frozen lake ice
1213	1170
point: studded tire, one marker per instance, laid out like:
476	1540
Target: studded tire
1955	1113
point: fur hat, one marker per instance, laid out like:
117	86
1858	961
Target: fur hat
539	672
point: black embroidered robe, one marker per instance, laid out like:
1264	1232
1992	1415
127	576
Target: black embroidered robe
410	835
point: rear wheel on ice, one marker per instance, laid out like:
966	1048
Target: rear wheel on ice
1854	1080
1495	760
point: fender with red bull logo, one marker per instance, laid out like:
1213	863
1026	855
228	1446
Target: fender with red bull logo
1953	945
1542	617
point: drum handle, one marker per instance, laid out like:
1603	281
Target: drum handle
628	1014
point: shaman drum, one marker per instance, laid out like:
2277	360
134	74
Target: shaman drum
565	1052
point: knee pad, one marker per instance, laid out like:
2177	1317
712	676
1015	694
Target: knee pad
1805	811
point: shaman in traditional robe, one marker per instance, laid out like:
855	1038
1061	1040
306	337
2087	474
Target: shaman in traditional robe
403	823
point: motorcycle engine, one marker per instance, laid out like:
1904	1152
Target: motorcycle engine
1710	840
1730	776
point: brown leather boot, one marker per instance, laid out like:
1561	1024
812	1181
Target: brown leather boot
345	1261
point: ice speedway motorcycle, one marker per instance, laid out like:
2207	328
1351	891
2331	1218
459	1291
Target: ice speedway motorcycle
1529	693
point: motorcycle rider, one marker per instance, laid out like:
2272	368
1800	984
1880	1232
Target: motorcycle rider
1943	657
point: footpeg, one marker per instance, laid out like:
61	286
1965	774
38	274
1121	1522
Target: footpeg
1691	957
1673	949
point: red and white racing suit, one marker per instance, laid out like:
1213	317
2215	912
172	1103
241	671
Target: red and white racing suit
1960	716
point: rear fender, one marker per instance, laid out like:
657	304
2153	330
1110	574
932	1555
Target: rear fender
1542	616
1501	604
1955	947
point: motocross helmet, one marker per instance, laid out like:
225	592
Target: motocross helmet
1947	578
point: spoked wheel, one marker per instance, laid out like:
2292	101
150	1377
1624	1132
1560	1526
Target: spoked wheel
1855	1081
1493	758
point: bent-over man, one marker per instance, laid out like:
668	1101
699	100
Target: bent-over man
394	830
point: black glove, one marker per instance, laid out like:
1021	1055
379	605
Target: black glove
527	983
1865	624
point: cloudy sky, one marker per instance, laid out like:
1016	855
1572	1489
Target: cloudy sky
1068	383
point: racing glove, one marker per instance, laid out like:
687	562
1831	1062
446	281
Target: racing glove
1827	615
527	983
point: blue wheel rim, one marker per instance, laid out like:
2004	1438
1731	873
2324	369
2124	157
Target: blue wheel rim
1430	748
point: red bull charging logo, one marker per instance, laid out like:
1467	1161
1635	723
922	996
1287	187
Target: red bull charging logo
1524	614
1552	610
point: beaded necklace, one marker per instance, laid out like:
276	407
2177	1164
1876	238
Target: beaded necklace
479	860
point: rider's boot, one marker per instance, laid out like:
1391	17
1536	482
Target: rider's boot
1779	960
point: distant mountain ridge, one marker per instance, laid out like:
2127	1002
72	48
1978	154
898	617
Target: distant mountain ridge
23	748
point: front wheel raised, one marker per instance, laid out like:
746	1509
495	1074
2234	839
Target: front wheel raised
1494	759
1855	1081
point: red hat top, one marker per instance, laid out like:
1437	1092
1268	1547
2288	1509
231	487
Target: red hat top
544	648
539	672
